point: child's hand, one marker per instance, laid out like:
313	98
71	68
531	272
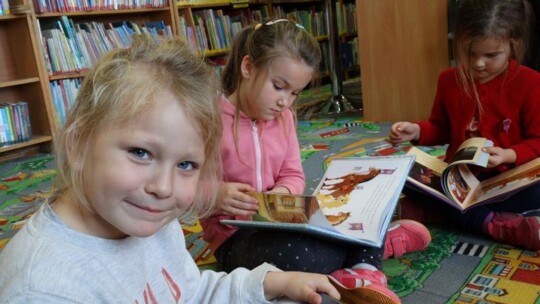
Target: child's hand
403	131
498	156
233	199
283	190
299	286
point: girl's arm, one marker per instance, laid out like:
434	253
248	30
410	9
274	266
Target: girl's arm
291	174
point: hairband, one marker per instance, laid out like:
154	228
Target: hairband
258	25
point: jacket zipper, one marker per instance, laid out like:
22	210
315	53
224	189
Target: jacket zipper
258	165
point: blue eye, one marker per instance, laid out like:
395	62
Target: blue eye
187	165
140	153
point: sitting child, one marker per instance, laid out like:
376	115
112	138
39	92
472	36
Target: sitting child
139	148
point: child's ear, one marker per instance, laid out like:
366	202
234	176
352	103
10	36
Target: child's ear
246	67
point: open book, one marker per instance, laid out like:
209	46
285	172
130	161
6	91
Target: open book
455	184
354	201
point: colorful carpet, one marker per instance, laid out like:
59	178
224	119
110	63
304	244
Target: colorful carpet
455	268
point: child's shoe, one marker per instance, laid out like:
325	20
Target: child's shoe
363	286
514	229
405	236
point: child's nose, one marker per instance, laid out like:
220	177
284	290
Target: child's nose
161	183
479	62
285	100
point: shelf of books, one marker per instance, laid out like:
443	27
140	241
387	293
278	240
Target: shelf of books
59	40
74	35
209	26
24	119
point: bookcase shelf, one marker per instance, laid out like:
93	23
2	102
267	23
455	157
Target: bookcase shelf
92	14
12	83
21	79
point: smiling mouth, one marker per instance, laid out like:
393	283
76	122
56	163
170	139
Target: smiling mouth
148	209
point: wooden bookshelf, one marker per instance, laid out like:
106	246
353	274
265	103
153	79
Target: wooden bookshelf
403	48
27	73
22	80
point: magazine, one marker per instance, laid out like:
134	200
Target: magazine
354	201
455	183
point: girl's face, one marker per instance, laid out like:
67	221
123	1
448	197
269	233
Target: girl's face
143	174
268	92
488	58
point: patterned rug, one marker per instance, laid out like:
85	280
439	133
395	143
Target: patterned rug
455	268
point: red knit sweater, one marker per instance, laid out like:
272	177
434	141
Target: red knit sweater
510	117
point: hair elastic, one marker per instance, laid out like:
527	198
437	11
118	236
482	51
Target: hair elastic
258	25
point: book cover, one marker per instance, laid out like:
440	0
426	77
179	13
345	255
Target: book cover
354	202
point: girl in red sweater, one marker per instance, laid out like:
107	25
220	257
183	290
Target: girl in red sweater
489	94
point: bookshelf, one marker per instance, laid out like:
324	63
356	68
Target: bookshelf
399	78
21	79
72	41
58	40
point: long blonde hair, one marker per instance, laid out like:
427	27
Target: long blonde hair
121	87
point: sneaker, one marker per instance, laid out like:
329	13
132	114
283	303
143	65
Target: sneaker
363	286
514	229
405	236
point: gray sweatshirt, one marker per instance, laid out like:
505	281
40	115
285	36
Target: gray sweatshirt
47	262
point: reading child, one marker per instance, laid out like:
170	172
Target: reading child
489	94
269	65
110	234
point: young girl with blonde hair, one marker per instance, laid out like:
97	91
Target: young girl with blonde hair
111	233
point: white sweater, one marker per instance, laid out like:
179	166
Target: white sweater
47	262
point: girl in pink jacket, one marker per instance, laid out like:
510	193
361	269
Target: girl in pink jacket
269	65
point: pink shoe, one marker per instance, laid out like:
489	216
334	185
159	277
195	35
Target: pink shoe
363	286
405	236
514	229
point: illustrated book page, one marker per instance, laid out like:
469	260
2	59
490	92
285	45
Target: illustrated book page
354	201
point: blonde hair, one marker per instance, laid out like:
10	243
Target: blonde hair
503	20
121	87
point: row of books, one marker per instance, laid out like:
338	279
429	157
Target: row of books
212	30
64	92
346	18
312	20
4	7
70	47
201	2
348	52
14	123
63	6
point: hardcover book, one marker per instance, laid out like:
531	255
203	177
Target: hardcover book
455	183
354	202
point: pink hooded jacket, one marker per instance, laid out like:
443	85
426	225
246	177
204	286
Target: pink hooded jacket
267	155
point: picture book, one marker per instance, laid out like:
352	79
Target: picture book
455	183
354	201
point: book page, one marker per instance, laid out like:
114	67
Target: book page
470	152
289	208
358	195
426	173
460	184
507	183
